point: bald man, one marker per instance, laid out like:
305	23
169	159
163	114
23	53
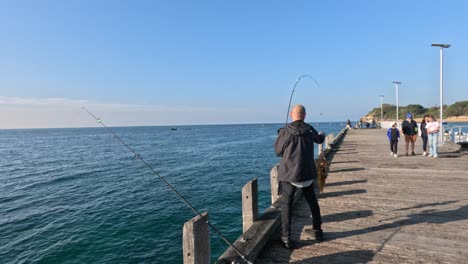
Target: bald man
295	144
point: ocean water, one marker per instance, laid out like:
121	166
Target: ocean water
456	126
78	196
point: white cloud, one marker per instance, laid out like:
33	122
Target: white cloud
38	102
16	112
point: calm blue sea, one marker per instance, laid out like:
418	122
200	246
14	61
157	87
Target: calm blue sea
78	196
456	126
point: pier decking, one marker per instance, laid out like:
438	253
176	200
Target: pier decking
380	209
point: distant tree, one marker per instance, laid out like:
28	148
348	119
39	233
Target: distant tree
389	110
457	109
416	110
433	111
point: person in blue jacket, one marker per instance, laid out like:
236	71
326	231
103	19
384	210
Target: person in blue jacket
393	136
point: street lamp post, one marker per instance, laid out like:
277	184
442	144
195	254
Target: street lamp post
381	109
396	84
442	47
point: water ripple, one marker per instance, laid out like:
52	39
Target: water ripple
77	196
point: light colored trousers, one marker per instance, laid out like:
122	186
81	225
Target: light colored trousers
433	144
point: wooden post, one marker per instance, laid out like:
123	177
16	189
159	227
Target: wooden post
249	204
329	140
274	183
196	240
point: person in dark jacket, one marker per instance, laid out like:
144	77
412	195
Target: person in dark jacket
424	135
410	130
348	124
295	144
393	136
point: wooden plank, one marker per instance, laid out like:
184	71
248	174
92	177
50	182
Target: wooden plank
380	209
320	149
249	204
274	184
196	240
328	141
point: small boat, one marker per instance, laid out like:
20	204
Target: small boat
174	128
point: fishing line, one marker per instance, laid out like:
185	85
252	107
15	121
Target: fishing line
292	93
138	156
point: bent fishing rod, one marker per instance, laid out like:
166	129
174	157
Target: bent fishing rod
292	93
138	156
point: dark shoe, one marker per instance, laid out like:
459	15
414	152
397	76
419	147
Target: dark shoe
412	153
287	243
318	235
406	154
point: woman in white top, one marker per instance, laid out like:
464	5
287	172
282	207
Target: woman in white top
432	128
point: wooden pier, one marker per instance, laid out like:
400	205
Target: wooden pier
375	209
380	209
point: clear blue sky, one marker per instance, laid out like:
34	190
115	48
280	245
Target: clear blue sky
190	62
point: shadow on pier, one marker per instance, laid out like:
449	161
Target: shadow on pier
381	209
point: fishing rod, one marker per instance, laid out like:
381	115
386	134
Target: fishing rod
138	156
292	93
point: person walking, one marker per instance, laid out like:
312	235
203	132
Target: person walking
410	130
393	136
295	144
424	135
348	124
432	128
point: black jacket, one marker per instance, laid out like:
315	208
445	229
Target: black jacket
409	128
295	144
423	129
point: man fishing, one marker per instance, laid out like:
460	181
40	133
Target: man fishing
295	144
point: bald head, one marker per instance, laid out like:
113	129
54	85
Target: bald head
298	113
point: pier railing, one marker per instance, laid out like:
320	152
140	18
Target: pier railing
257	229
456	135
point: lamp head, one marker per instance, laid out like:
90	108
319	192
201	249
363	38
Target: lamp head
445	46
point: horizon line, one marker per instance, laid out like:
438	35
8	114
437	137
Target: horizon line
168	125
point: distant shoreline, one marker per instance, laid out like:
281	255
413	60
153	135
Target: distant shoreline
462	119
457	119
451	119
169	126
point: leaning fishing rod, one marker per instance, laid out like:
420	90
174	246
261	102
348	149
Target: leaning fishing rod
138	156
292	93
